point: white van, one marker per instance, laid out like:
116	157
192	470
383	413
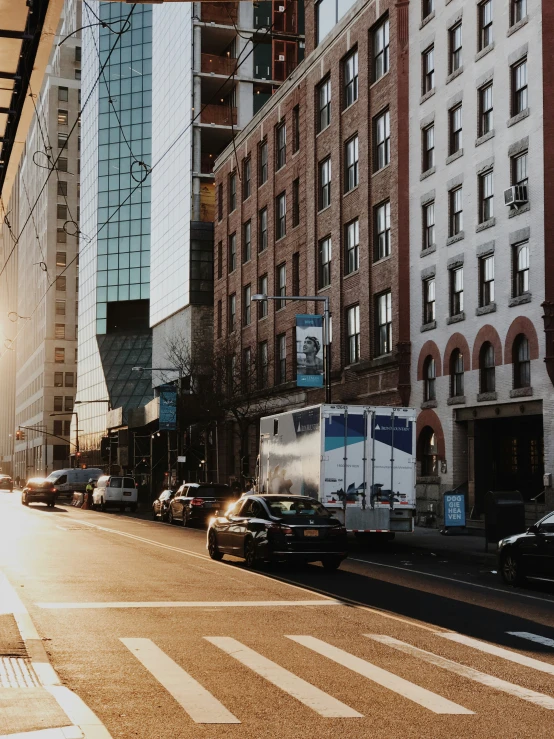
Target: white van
71	481
115	491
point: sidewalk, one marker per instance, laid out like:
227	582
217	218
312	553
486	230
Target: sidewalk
33	702
469	547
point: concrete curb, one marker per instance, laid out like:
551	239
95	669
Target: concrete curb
84	724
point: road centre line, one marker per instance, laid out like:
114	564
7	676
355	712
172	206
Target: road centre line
194	604
451	579
400	686
295	686
533	637
199	703
520	659
539	699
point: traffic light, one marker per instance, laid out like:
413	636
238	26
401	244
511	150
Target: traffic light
19	435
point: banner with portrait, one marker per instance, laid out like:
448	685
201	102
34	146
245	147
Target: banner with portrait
309	351
168	407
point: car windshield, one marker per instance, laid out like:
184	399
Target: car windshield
282	507
53	476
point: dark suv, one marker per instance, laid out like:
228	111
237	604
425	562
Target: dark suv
39	490
199	501
6	483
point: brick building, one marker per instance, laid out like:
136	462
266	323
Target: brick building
312	199
481	270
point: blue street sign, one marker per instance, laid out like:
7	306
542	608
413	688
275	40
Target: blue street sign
454	510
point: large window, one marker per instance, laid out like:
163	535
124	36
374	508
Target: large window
281	148
324	104
382	246
324	262
246	178
324	196
381	41
428	225
456	220
429	453
232	192
262	305
455	35
383	314
350	70
429	300
232	315
263	161
455	124
486	281
487	379
247	305
486	196
232	253
428	148
430	378
428	70
352	247
296	202
522	362
351	176
485	110
518	10
456	374
427	7
353	334
520	269
519	87
59	355
519	169
456	291
328	13
281	351
281	285
296	128
280	216
263	365
381	128
262	230
247	242
485	24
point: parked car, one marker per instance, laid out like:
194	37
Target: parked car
528	555
160	507
278	528
39	490
195	502
6	483
115	491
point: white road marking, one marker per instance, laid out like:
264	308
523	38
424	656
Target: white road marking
66	732
303	691
199	703
482	646
451	579
539	699
533	637
194	604
389	680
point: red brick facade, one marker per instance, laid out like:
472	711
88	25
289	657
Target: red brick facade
374	379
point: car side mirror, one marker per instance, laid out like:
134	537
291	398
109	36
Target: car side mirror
534	529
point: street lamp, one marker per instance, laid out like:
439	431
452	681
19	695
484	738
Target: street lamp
72	413
326	329
86	402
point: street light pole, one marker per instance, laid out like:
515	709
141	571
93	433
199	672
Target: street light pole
326	329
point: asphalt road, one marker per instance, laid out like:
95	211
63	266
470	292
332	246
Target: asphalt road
163	643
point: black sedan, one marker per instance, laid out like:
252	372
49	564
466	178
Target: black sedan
528	555
39	490
265	528
6	483
195	502
160	506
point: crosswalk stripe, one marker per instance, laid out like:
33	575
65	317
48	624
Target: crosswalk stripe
533	637
198	702
483	678
482	646
303	691
406	689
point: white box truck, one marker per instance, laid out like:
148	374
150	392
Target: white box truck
358	461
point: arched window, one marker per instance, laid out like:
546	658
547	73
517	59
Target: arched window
486	368
430	374
522	362
456	374
429	452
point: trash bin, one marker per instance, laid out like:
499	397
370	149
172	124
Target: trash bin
504	514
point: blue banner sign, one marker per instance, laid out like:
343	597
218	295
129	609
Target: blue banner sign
309	351
168	407
454	510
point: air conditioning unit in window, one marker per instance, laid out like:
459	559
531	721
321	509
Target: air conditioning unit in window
281	57
516	195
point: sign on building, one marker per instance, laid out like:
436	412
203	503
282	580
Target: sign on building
454	510
309	351
168	407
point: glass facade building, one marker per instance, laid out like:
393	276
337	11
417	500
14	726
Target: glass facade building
114	333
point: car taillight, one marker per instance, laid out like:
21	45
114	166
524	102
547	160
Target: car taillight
280	529
197	501
338	531
54	490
